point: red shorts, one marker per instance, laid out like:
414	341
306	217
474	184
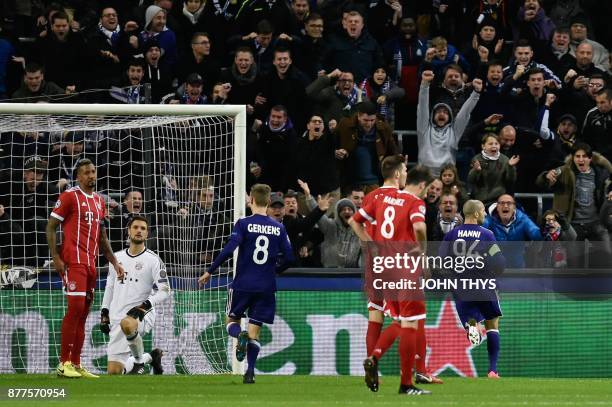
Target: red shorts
376	305
405	310
79	280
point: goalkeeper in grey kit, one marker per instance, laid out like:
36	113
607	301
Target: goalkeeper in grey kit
128	307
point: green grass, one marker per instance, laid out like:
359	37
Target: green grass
308	391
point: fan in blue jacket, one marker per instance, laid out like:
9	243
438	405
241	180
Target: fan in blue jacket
510	224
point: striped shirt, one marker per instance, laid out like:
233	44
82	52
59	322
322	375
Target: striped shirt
81	215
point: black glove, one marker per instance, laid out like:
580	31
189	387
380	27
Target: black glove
104	321
140	311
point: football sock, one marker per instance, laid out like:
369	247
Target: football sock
136	346
385	340
129	365
76	305
493	348
372	335
233	329
79	339
407	350
421	348
252	352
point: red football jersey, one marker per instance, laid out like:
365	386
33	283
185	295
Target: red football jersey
372	196
81	216
394	215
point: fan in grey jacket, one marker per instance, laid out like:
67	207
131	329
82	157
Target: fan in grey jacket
439	133
341	247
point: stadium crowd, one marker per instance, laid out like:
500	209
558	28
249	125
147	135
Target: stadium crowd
506	96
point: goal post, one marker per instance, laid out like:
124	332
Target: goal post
182	166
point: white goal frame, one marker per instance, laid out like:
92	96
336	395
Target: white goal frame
237	112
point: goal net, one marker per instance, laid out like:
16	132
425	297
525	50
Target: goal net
182	167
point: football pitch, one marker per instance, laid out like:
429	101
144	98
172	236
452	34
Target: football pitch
225	390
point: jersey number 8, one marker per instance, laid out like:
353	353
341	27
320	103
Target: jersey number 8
387	229
260	254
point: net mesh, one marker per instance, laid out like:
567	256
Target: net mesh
176	170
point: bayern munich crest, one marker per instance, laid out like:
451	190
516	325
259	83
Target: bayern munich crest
72	286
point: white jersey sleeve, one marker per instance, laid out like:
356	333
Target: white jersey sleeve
160	279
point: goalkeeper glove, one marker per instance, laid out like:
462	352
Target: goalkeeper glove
140	311
105	321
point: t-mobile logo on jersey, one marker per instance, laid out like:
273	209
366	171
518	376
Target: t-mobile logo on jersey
89	217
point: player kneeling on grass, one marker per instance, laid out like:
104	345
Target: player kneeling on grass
128	311
474	306
260	241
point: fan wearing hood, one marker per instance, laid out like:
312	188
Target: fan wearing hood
439	133
380	89
341	246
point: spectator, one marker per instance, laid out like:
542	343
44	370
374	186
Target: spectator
191	19
134	92
565	138
439	133
487	45
579	188
316	162
241	76
490	102
356	196
405	52
441	55
285	85
584	62
62	52
300	228
579	33
557	56
106	46
307	48
534	25
133	204
492	174
383	19
300	11
333	102
524	62
597	127
380	89
341	247
276	145
510	224
432	200
155	28
26	199
353	49
261	43
452	184
452	91
447	218
201	224
192	92
251	14
579	96
555	228
199	60
363	142
605	214
156	73
528	104
34	87
276	210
